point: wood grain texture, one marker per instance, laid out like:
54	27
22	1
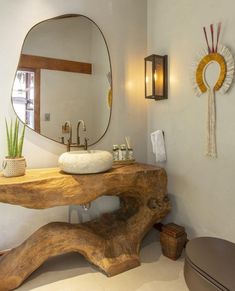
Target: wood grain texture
111	242
45	188
38	62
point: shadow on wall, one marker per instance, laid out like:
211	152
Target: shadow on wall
178	205
97	207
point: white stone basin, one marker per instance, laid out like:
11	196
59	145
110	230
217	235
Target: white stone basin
85	162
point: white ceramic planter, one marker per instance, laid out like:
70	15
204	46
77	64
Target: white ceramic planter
14	167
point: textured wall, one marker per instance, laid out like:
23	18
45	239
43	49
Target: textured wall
202	189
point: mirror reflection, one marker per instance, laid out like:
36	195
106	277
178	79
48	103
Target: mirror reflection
63	77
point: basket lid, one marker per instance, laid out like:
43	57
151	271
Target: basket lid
173	229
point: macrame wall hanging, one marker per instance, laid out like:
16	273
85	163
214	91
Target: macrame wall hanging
213	54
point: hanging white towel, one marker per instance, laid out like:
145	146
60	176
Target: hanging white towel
158	144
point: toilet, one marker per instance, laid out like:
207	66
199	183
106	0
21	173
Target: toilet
210	264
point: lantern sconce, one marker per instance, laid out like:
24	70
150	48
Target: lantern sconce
156	82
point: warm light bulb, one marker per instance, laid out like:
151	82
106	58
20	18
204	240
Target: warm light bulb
155	76
147	79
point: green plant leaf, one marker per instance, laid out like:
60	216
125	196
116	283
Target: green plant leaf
15	138
11	141
21	142
8	139
14	143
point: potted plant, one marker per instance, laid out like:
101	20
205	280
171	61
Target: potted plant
14	163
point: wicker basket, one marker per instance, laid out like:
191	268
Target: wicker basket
14	167
173	238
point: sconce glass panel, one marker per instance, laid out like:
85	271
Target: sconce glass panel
149	78
156	77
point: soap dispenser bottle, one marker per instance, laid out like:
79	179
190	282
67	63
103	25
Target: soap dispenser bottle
115	152
123	152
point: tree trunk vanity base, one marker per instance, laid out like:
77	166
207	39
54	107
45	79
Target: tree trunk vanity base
111	242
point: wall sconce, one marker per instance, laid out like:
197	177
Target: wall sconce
156	77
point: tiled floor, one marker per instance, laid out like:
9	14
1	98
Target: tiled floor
73	273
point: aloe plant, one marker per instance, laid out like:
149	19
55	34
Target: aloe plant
14	142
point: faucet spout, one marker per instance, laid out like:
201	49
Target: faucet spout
86	144
78	130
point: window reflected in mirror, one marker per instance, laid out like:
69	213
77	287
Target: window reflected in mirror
24	98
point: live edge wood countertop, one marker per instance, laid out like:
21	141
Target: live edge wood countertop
49	187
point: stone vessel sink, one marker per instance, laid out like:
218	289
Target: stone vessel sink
85	162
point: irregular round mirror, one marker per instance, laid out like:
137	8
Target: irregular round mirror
63	77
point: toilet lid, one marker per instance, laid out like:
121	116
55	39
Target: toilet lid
214	258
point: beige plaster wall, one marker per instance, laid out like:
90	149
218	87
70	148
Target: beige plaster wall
202	190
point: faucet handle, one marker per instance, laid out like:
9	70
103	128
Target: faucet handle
66	127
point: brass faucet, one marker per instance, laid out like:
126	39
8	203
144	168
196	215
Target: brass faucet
67	128
86	143
70	143
83	128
